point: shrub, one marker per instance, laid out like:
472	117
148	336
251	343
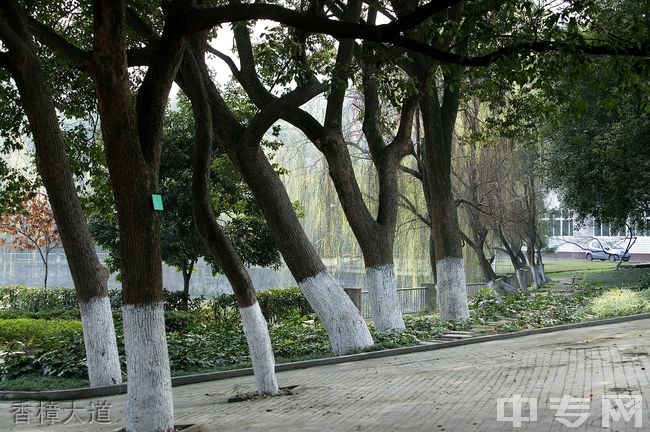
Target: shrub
37	332
187	321
66	358
619	302
64	314
23	298
276	305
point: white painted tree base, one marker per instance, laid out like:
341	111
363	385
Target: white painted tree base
521	280
533	272
542	273
344	324
451	289
259	346
384	302
149	405
99	339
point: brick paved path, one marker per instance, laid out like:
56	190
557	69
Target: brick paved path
454	389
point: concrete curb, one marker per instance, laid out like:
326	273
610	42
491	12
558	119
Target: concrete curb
88	393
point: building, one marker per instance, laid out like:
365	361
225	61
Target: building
569	239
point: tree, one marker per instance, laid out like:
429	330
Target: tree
220	247
32	228
474	170
28	94
181	245
597	158
131	123
242	143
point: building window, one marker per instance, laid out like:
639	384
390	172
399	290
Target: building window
560	223
604	229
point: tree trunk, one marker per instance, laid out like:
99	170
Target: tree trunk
375	239
259	346
432	256
438	121
344	324
149	406
384	300
45	276
486	266
132	135
533	269
187	275
520	273
88	274
452	290
219	246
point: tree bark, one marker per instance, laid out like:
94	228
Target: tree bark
486	266
132	138
219	246
45	276
89	276
438	125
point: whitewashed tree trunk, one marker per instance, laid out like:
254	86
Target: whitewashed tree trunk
508	289
533	272
344	324
149	406
384	302
521	279
259	346
542	274
452	291
101	346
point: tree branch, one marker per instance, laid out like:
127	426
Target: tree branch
226	59
415	173
59	45
407	204
154	91
391	33
274	110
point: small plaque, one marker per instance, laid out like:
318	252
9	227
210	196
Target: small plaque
157	202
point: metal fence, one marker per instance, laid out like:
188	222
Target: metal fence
414	300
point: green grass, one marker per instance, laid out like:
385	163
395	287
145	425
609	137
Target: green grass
572	265
620	302
35	382
636	278
556	265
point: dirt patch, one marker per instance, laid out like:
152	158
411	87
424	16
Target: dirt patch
242	397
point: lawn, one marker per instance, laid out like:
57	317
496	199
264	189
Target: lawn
557	265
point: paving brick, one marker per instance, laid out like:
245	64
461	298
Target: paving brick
454	389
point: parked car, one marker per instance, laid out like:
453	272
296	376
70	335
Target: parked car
605	251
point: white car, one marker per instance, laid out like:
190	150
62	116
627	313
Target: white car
605	251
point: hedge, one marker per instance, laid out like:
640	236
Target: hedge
36	331
24	302
276	305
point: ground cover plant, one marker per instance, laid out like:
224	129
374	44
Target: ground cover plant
41	342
